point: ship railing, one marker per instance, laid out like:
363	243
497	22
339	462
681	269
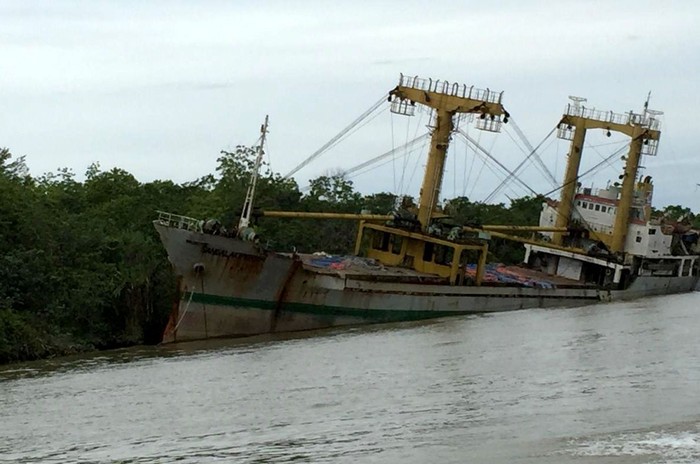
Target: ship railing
451	88
179	222
631	118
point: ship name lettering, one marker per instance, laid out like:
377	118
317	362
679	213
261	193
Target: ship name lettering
217	251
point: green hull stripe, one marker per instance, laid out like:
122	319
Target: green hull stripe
380	315
207	298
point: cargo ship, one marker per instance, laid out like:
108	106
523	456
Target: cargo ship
590	246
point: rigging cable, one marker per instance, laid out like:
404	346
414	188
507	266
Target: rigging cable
485	164
529	152
391	152
416	164
402	188
492	158
454	164
527	143
393	146
415	134
600	155
478	174
591	170
378	158
421	152
466	163
579	177
337	138
471	165
518	167
354	171
556	157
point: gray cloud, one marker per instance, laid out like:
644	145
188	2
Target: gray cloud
158	88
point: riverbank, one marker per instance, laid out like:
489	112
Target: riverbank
22	339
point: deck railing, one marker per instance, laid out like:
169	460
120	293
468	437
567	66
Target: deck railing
451	88
631	118
180	222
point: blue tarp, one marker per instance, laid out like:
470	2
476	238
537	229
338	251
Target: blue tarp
499	273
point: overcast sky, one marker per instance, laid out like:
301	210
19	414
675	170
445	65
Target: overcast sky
160	87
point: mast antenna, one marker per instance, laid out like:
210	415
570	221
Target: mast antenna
577	102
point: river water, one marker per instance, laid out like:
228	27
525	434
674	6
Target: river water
607	383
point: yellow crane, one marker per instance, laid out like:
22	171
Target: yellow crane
446	99
644	131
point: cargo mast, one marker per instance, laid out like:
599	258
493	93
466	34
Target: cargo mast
246	213
447	100
644	132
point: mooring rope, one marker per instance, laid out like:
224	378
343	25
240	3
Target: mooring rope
184	312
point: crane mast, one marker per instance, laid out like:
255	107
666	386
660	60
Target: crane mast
643	129
246	213
447	100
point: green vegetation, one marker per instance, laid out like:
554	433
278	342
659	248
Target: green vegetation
81	266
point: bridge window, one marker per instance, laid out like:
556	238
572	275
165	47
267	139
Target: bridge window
428	251
380	240
396	243
686	271
443	254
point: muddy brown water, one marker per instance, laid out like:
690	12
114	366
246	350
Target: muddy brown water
607	383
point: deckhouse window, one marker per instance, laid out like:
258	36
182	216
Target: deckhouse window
585	205
443	255
590	205
396	244
652	231
428	251
597	207
380	240
686	271
603	208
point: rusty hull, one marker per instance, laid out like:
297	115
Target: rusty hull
232	288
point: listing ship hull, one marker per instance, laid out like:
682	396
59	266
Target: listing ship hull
232	288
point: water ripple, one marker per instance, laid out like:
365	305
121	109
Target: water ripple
602	382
